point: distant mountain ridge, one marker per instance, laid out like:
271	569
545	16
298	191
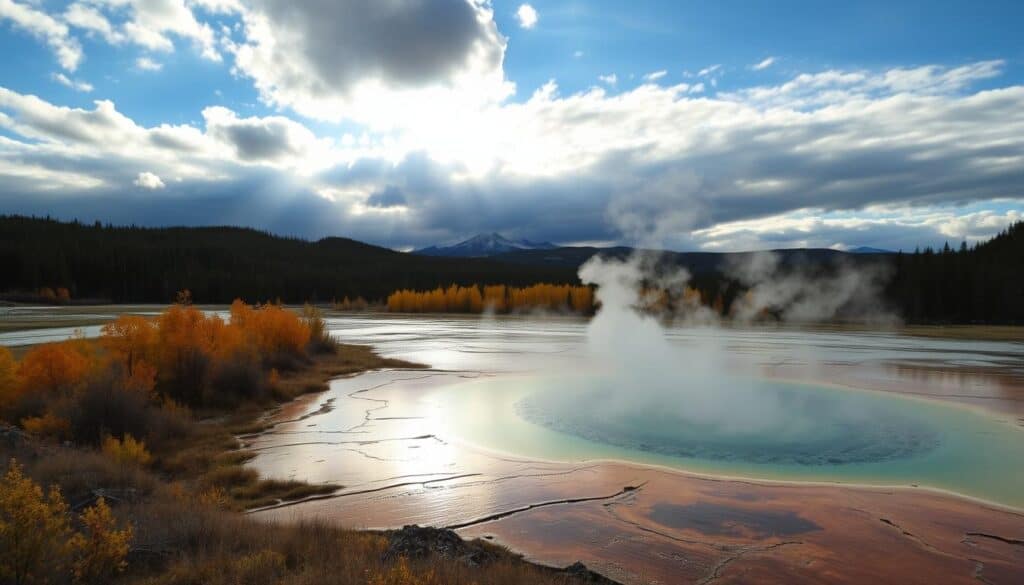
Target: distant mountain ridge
484	245
869	250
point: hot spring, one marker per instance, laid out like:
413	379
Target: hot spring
811	433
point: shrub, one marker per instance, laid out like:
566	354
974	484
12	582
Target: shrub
49	425
81	474
264	566
127	450
34	530
54	368
320	340
37	544
105	406
100	548
232	381
8	376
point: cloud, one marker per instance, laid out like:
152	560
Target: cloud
390	196
147	180
809	90
892	227
655	76
44	27
151	21
269	139
708	70
387	64
764	64
527	16
73	84
147	64
845	158
93	21
610	79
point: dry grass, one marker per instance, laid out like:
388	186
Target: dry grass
347	360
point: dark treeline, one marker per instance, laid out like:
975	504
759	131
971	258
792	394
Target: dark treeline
980	284
219	264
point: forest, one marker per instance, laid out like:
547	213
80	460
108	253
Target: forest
218	264
59	262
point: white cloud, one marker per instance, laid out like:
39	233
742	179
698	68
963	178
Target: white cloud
708	70
890	227
90	19
610	79
150	22
655	76
148	180
578	54
147	64
762	65
76	85
653	162
45	27
834	86
527	16
386	64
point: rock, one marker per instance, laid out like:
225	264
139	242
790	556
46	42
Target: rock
580	571
422	541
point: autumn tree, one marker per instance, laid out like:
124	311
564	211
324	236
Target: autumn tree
38	545
100	549
55	367
130	339
34	530
8	377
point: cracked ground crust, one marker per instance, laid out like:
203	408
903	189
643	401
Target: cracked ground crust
557	514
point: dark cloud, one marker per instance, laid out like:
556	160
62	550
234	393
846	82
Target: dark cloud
390	196
300	53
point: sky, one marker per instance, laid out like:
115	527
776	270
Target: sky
732	125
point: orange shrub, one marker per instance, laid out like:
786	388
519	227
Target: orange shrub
55	367
499	298
8	376
273	329
130	339
48	425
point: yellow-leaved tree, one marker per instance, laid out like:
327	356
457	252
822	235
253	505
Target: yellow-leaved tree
101	548
34	530
38	545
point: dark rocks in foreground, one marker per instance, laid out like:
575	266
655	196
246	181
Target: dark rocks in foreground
422	541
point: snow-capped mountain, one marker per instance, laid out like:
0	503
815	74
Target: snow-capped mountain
484	245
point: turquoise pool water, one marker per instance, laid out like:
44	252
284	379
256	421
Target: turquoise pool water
766	430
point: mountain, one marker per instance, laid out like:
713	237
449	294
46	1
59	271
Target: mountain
484	245
869	250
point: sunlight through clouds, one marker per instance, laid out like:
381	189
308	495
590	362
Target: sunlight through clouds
404	113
